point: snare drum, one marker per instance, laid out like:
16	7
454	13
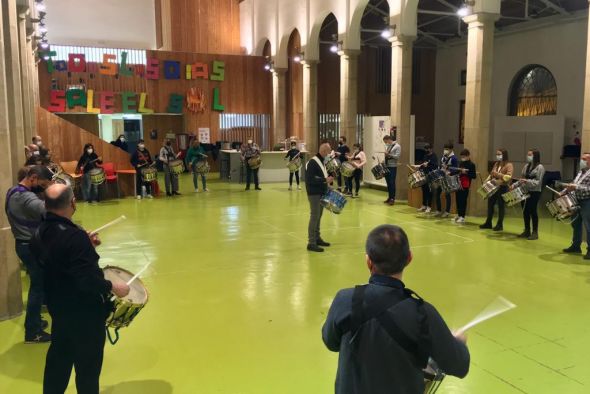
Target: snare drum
451	184
255	162
487	189
176	167
202	167
433	377
333	166
333	201
347	169
379	171
294	165
149	174
435	178
97	176
125	309
416	179
63	179
563	207
515	196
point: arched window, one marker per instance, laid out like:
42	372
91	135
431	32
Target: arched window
533	93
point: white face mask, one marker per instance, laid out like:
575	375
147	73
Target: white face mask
446	152
122	139
141	146
529	159
250	142
35	153
499	157
89	151
464	159
583	164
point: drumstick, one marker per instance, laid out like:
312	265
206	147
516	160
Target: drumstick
134	277
497	307
117	220
553	190
5	228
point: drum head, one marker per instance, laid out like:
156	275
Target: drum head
138	293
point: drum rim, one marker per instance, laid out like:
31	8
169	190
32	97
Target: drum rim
122	300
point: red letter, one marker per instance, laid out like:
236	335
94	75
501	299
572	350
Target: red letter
57	101
76	63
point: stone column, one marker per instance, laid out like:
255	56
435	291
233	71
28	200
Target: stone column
310	105
27	89
10	286
348	93
13	84
478	94
586	113
401	105
279	105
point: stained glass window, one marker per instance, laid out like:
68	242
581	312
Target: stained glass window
534	93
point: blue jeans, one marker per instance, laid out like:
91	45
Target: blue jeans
89	190
390	179
36	289
196	177
583	219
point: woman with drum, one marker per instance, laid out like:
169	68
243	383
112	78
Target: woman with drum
142	161
466	175
501	175
197	159
294	157
532	182
251	159
88	162
449	164
429	164
172	167
358	160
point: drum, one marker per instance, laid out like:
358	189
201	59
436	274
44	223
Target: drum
416	179
515	196
97	176
202	167
176	167
63	179
149	174
435	178
379	171
294	165
487	189
255	162
451	184
333	166
433	377
563	207
347	169
125	309
333	201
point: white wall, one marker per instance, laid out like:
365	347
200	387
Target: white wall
104	23
560	48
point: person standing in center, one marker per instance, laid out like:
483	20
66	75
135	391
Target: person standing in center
532	180
342	154
393	151
429	164
141	159
171	180
87	162
466	175
249	151
358	159
449	164
316	183
292	154
501	174
196	154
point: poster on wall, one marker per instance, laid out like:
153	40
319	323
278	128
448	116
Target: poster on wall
204	135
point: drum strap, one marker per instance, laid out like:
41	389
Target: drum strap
322	167
418	350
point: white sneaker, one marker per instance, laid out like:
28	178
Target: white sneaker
455	219
437	213
298	187
290	188
444	215
206	190
138	197
422	208
461	220
428	210
150	196
196	190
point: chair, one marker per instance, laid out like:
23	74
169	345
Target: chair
69	167
111	175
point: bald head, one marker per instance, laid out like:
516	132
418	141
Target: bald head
58	197
325	149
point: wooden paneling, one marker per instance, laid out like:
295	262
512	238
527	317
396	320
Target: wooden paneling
88	122
328	81
66	141
163	124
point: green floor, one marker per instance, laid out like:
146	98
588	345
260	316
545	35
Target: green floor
237	302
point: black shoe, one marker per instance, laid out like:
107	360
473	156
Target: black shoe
498	228
176	193
40	337
44	324
321	242
485	225
314	248
391	202
573	249
386	201
534	236
257	188
525	234
247	188
168	194
587	255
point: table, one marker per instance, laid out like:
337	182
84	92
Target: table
273	169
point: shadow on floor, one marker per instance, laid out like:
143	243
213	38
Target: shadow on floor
563	258
140	387
25	362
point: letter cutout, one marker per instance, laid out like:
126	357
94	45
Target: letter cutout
142	108
216	105
175	104
76	97
107	102
76	63
124	70
90	103
218	71
107	67
61	65
49	55
153	69
200	70
128	102
188	72
171	69
57	101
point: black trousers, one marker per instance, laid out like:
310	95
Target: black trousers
461	196
139	183
529	211
296	173
426	195
75	342
251	173
496	198
342	180
357	176
439	202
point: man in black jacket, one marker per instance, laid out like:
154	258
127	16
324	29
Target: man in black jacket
384	332
316	182
77	295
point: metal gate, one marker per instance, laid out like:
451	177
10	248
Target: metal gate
329	128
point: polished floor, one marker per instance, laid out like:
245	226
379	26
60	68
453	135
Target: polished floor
237	303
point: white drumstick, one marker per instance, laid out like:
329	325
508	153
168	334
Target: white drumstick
492	310
5	228
109	224
134	277
553	190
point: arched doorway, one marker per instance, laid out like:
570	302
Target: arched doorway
294	82
329	82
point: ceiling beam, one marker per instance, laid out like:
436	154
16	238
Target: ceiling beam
430	12
431	38
435	20
377	10
446	3
555	7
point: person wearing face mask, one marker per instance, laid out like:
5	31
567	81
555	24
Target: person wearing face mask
317	180
77	294
429	164
25	211
449	164
358	159
393	151
121	143
501	174
580	187
341	154
170	179
466	175
195	155
37	140
291	155
249	151
141	159
89	161
532	181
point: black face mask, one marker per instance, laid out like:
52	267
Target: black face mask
168	143
340	143
38	189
